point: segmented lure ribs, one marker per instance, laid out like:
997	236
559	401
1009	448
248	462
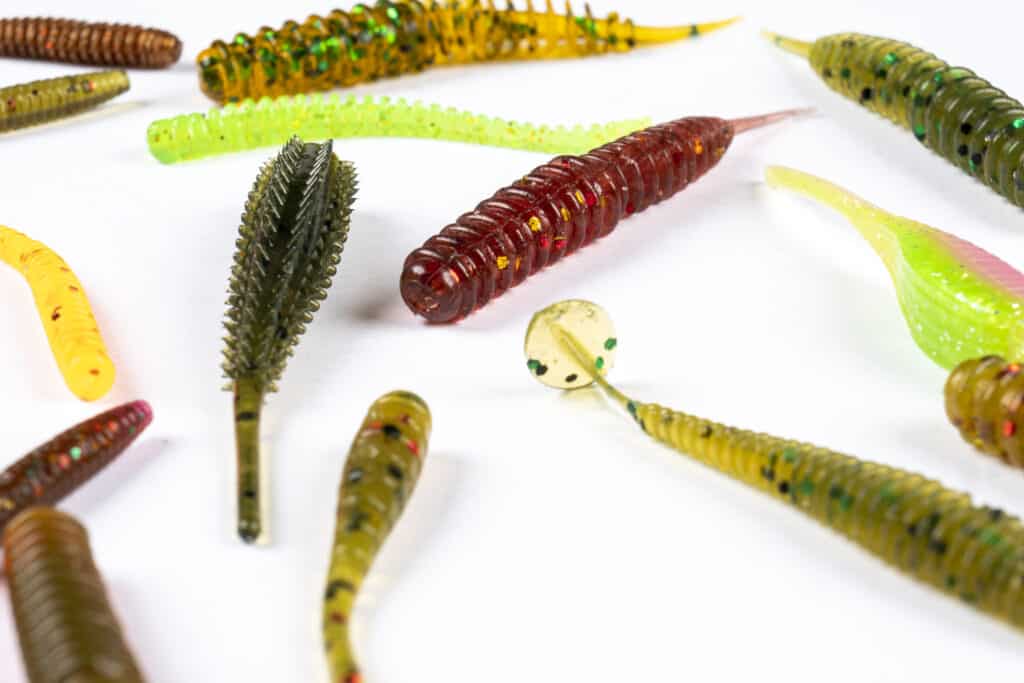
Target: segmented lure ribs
30	104
84	42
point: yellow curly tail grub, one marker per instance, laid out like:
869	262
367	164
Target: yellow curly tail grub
64	309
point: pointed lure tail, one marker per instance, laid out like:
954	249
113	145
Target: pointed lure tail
742	125
797	47
655	35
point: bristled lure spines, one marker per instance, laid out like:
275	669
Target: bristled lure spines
66	626
963	118
388	39
985	402
65	313
248	125
84	42
380	475
57	468
29	104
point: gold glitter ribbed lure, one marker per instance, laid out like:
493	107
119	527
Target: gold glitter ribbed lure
388	39
380	474
65	312
934	534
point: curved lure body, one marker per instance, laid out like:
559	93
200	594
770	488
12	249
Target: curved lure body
65	313
380	474
934	534
951	111
66	626
30	104
87	42
959	300
556	209
388	39
293	230
248	125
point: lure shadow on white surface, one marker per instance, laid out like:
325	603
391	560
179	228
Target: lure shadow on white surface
103	112
119	475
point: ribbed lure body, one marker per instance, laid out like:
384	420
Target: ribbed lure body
248	125
959	300
380	474
66	626
30	104
65	313
293	230
86	42
388	39
985	402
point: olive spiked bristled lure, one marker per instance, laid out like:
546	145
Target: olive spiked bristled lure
951	111
30	104
934	534
388	39
293	230
380	475
86	42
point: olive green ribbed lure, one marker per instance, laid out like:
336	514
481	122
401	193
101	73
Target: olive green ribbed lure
293	230
959	300
934	534
29	104
249	124
951	111
380	475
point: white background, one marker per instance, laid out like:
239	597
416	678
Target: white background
549	540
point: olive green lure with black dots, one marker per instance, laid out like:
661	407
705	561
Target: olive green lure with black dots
955	113
30	104
934	534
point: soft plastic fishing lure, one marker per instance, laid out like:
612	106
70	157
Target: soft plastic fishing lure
66	626
380	474
558	208
963	118
959	300
85	42
60	466
985	401
238	127
30	104
394	38
934	534
293	230
65	312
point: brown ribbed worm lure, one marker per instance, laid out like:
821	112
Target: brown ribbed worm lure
85	42
66	627
30	104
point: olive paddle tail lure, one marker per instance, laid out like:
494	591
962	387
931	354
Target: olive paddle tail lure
65	313
30	104
934	534
386	39
558	208
961	117
85	42
60	466
293	230
248	125
959	300
380	474
66	626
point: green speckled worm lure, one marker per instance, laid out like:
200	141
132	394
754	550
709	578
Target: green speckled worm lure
293	230
248	125
963	118
934	534
30	104
380	474
959	300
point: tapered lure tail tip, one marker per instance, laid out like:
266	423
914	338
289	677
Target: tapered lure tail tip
569	344
781	176
249	531
797	47
652	35
749	123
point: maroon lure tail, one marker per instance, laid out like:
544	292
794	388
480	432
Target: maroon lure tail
751	122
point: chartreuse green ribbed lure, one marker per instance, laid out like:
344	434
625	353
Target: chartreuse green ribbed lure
934	534
271	122
951	111
959	300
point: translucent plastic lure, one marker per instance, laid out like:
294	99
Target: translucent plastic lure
37	102
66	626
959	300
558	208
934	534
388	39
985	402
293	230
85	42
60	466
65	312
380	474
238	127
951	111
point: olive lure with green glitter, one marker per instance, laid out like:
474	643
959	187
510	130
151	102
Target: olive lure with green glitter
293	230
958	115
